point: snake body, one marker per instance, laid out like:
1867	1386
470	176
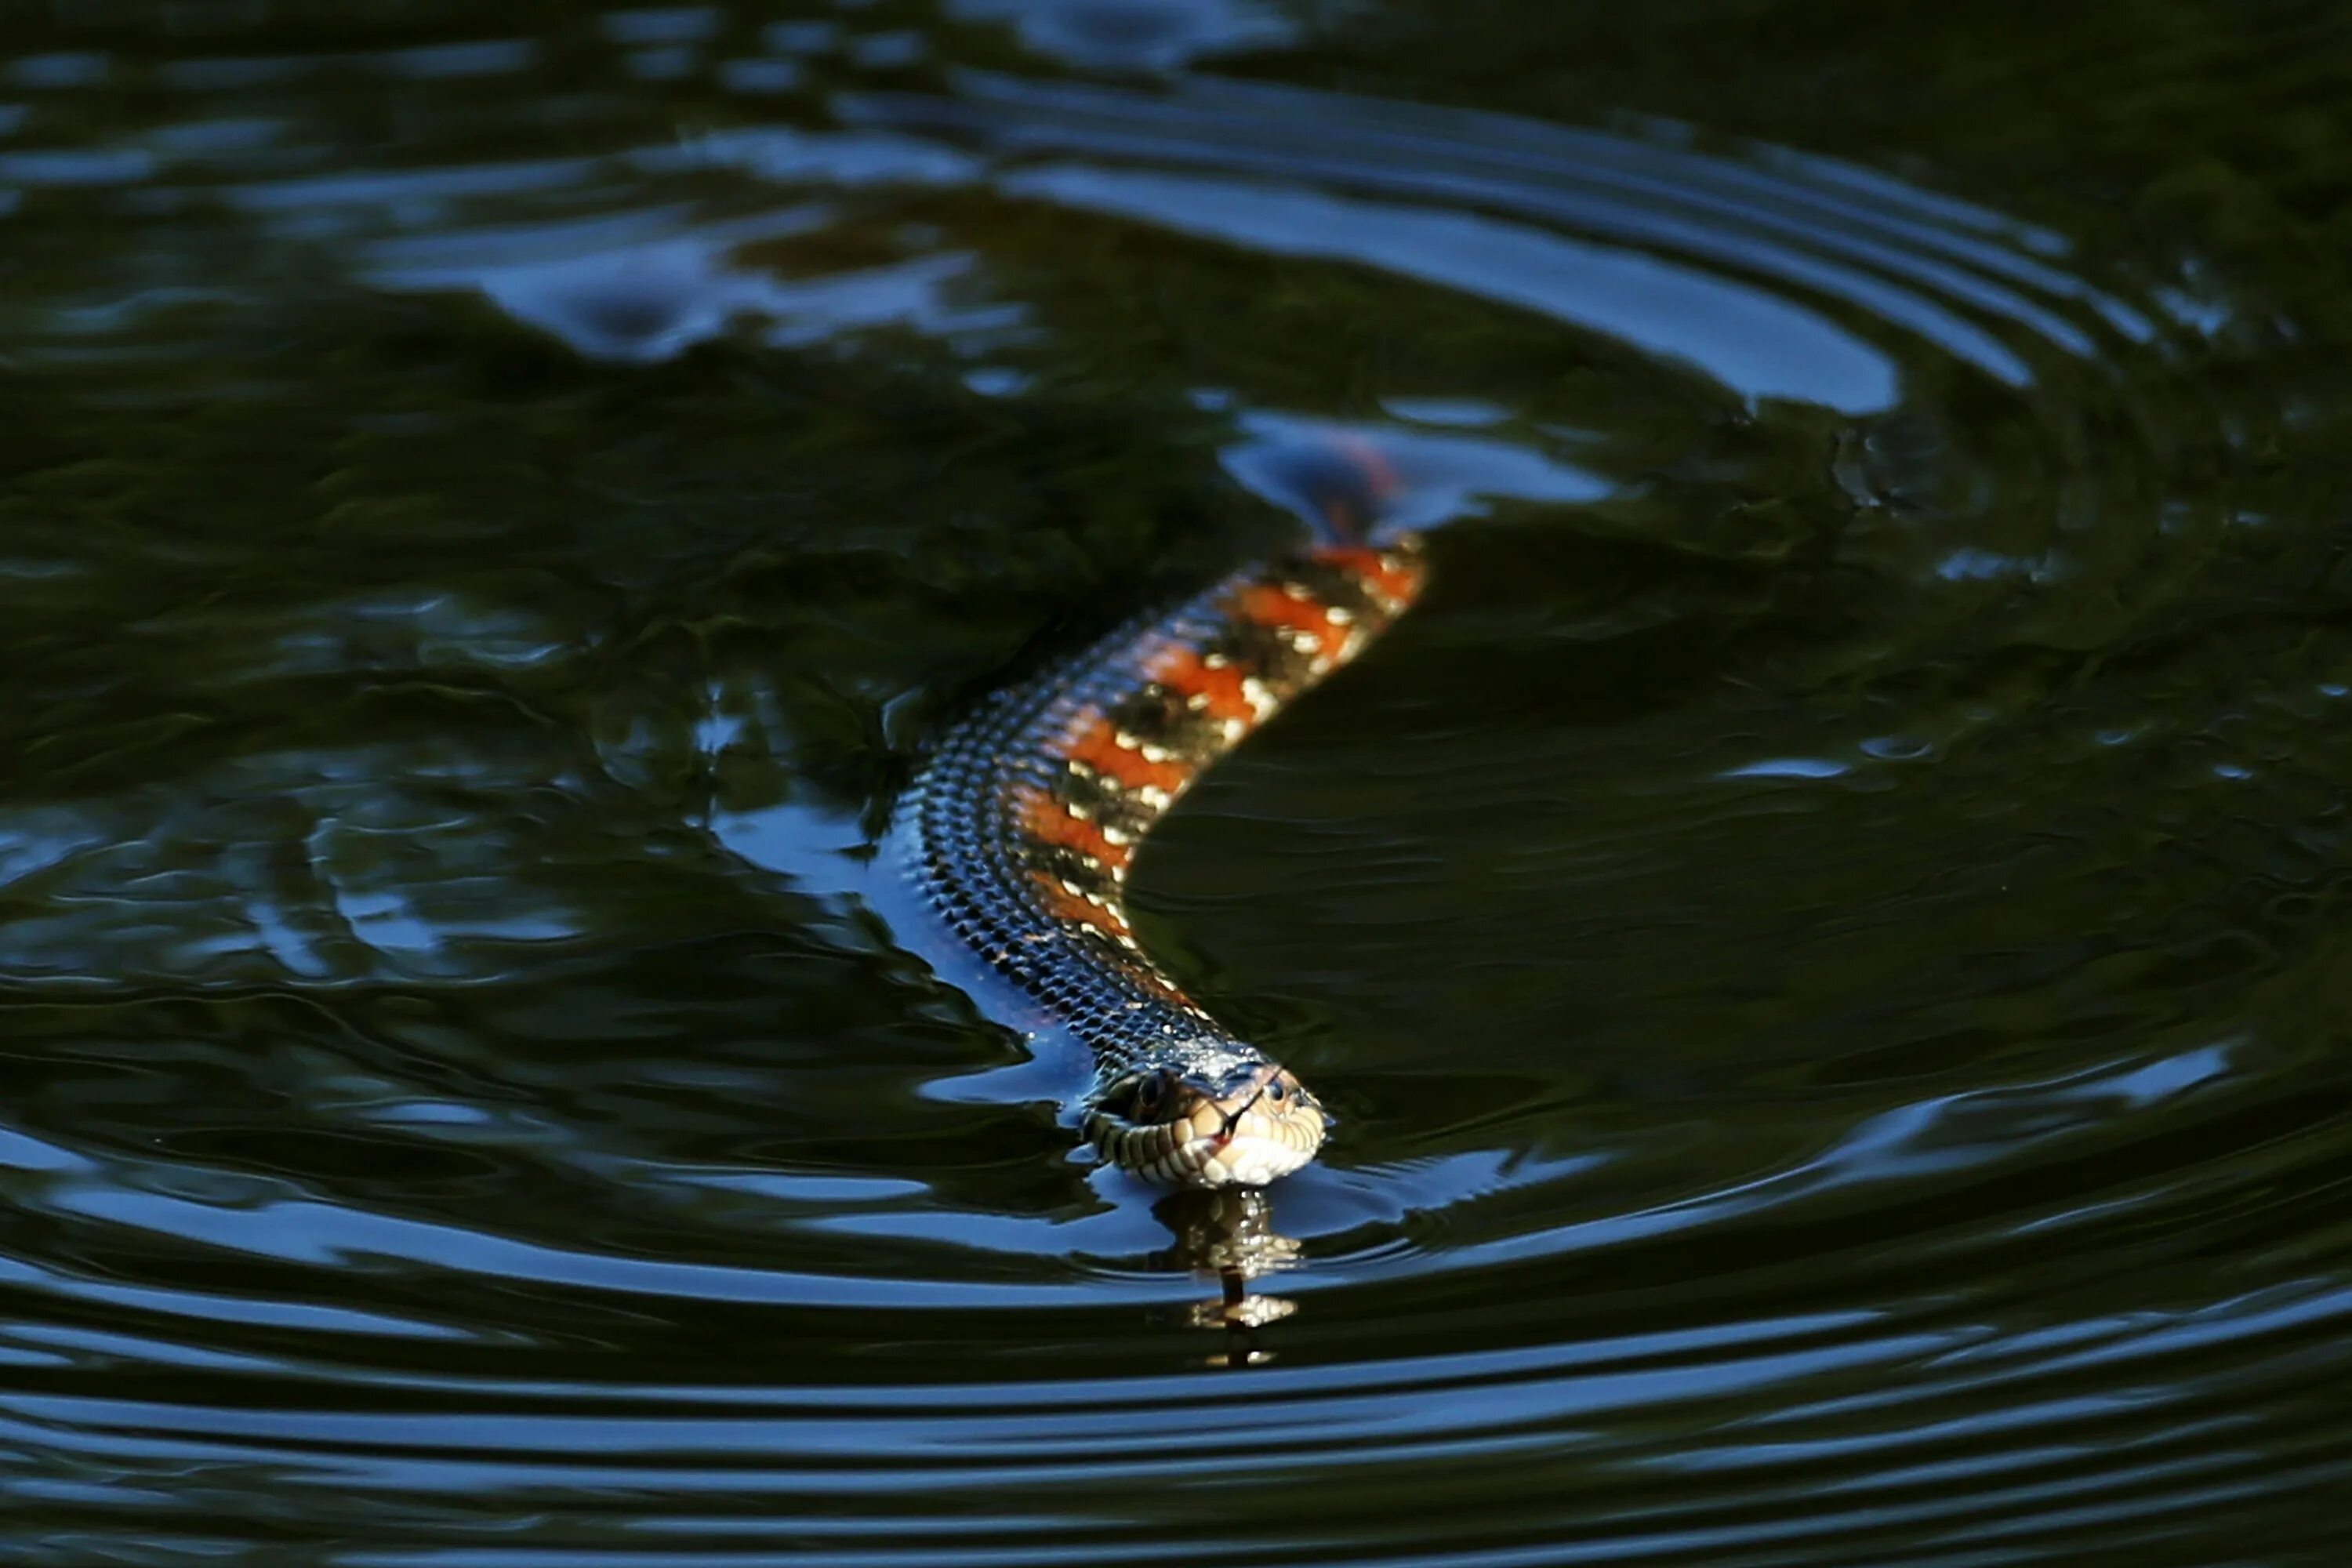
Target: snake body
1019	829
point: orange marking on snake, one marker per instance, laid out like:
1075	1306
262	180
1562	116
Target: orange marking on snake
1393	578
1065	905
1220	688
1267	606
1097	746
1049	821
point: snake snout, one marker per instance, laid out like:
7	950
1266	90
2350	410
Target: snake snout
1243	1126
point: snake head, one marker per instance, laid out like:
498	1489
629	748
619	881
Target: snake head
1242	1126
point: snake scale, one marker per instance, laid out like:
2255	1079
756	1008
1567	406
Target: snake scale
1018	830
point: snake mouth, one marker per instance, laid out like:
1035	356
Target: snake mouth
1243	1128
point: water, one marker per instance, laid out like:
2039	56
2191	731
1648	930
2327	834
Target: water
1825	930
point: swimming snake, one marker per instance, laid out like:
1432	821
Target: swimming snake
1018	829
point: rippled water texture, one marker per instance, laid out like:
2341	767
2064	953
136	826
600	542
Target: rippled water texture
1827	931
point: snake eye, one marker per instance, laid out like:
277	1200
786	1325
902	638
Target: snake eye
1146	1093
1276	1092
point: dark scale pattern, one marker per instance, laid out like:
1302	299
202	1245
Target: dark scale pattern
1019	826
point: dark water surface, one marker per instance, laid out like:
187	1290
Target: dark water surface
1828	930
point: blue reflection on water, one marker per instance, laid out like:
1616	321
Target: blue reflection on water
1787	768
1756	343
647	303
660	24
46	72
1444	476
449	62
1136	35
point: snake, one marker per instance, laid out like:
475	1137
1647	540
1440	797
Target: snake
1018	828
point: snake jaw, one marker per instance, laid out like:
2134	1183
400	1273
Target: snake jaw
1243	1128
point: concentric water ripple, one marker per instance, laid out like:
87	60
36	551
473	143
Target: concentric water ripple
1822	931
